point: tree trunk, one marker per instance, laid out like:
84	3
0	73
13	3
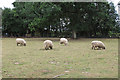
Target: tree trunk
74	34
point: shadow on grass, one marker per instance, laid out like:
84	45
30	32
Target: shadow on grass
42	49
54	49
98	49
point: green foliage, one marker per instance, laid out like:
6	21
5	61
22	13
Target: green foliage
84	19
113	34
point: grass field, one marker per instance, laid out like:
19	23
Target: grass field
77	60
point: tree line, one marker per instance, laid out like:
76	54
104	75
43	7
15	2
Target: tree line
60	19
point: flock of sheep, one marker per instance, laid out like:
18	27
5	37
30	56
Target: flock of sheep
49	44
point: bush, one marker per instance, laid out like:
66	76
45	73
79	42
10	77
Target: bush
112	34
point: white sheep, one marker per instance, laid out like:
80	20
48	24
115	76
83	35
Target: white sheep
98	45
48	44
63	41
21	41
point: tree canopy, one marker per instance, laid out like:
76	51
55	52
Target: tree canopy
61	19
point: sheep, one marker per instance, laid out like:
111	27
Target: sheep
98	45
21	41
63	41
48	44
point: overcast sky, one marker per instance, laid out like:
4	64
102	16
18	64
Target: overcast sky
8	3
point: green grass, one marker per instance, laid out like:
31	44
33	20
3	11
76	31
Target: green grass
77	60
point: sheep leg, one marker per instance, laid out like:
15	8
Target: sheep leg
17	44
20	44
99	48
92	47
46	48
50	47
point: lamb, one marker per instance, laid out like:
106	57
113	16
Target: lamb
63	41
48	44
98	45
21	41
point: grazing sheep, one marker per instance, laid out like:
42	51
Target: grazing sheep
48	44
98	45
63	41
21	41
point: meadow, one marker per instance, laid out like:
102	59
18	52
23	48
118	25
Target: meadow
76	60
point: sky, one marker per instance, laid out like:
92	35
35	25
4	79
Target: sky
8	3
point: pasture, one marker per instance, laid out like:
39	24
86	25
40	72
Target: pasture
77	60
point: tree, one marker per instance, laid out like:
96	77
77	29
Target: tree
65	19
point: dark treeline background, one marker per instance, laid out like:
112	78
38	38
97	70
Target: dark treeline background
63	19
